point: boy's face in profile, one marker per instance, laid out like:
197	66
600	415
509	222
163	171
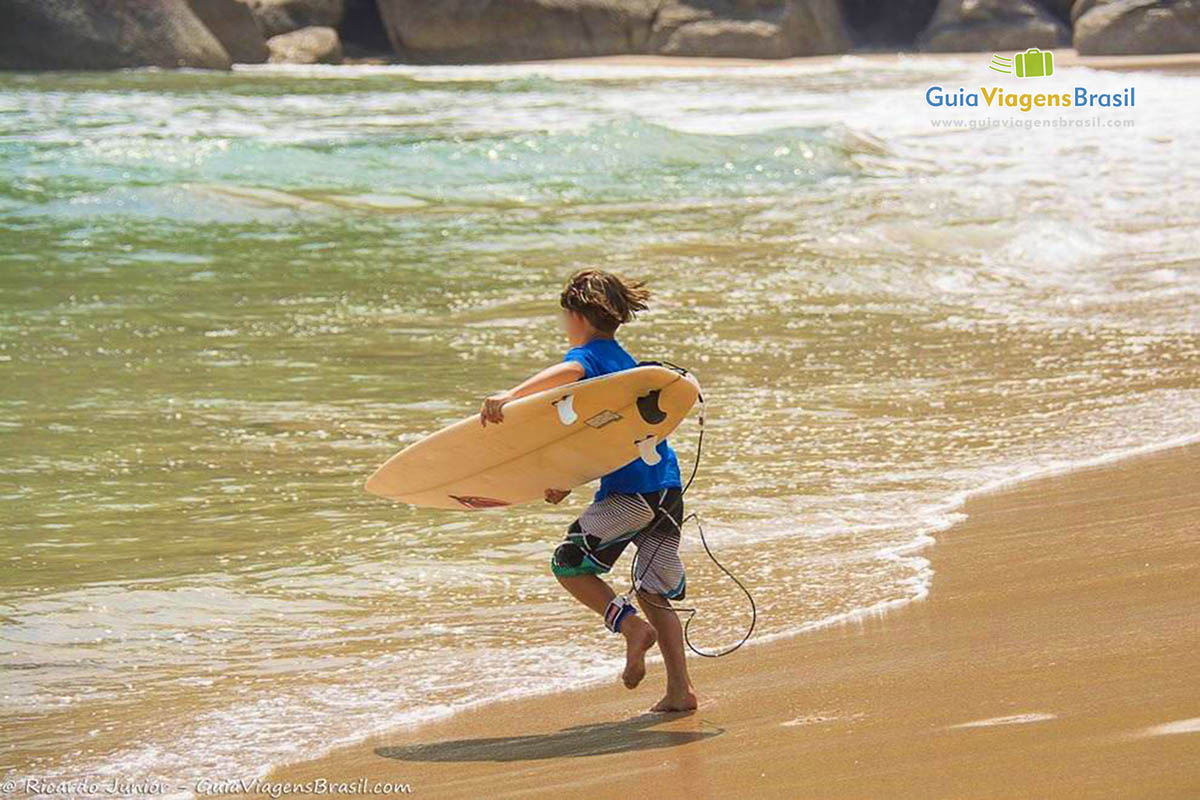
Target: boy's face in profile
574	325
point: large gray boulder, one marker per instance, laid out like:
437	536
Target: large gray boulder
314	45
749	29
234	26
284	16
1128	27
105	34
460	31
513	30
973	25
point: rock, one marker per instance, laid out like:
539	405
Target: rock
971	25
1128	27
233	25
727	38
513	30
313	45
284	16
105	34
453	31
764	30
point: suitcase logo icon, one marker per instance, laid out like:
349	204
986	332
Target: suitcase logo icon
1033	63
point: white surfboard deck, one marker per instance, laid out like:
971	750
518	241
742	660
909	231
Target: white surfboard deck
557	439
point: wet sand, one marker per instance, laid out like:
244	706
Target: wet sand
1056	655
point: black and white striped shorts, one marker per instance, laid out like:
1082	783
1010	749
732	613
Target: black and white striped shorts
596	540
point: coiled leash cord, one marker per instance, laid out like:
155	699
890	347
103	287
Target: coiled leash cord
691	612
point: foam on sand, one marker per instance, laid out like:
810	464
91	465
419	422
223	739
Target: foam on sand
1012	719
1172	728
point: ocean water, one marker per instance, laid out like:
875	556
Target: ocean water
224	298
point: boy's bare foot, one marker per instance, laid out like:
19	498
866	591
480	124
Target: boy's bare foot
637	642
670	702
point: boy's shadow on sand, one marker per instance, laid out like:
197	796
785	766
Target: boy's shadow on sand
581	740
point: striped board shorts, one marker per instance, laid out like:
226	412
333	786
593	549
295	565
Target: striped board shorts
596	540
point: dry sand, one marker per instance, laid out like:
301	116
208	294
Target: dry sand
1057	655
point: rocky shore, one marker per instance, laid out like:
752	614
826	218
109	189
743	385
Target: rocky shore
214	34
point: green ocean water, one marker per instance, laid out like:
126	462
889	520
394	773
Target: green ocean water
225	298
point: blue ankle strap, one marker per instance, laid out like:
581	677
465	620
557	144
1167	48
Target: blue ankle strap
617	610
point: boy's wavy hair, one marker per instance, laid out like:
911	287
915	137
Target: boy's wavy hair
605	300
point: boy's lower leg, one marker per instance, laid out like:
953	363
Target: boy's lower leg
639	634
680	695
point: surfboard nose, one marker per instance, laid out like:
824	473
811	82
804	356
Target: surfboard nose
375	484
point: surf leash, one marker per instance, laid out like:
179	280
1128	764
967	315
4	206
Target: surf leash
636	580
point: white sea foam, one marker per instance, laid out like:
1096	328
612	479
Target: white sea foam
1179	726
1010	719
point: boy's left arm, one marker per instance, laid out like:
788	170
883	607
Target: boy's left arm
556	375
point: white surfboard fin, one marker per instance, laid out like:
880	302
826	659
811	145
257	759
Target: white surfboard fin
648	448
566	410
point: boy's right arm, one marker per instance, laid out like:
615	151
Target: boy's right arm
555	375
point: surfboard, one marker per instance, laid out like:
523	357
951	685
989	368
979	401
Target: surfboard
557	439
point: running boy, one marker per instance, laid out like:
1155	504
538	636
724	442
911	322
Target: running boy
631	503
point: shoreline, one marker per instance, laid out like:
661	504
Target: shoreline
1063	57
581	732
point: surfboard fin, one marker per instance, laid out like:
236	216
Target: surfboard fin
566	410
648	449
648	407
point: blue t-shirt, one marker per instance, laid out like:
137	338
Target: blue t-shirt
601	357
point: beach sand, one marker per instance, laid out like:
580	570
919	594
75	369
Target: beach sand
1056	655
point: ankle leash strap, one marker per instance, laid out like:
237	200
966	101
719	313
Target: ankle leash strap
617	610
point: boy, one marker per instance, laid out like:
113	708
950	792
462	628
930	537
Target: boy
632	504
